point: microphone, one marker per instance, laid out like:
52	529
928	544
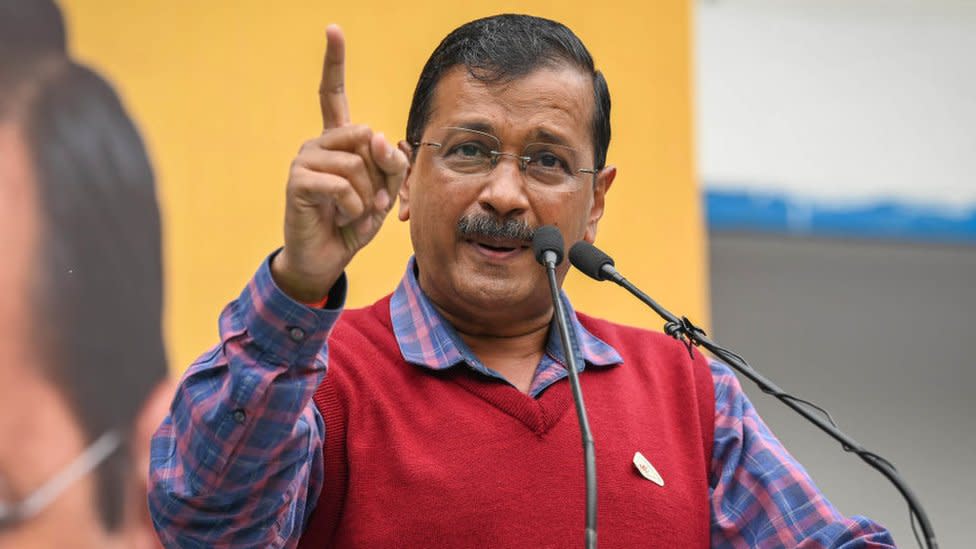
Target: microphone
547	244
592	261
595	264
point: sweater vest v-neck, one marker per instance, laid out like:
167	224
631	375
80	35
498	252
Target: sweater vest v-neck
416	457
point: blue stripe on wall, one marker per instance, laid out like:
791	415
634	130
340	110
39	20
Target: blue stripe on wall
776	213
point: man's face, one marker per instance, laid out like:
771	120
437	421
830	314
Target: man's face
38	435
472	278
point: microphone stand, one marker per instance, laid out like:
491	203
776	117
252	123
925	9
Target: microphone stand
548	247
683	330
589	454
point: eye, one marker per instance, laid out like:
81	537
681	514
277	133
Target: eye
548	160
469	151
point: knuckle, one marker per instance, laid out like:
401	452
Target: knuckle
296	188
348	192
297	163
298	182
307	146
355	163
353	205
296	169
333	88
362	131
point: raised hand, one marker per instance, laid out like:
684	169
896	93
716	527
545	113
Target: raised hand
340	188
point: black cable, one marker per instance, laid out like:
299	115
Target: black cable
911	520
813	405
879	463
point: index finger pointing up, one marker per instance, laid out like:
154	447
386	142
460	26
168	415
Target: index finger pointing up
332	89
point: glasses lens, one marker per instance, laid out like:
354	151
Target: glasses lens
546	165
550	165
468	151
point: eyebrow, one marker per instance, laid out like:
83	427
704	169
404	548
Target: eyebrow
545	136
476	126
538	135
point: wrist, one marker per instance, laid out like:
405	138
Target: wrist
302	287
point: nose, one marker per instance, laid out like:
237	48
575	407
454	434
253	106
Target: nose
504	193
523	161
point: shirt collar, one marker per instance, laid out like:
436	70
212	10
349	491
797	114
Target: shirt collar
426	339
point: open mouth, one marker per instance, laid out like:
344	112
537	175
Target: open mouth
498	248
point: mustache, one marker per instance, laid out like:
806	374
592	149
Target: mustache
490	227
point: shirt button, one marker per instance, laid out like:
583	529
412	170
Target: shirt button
239	415
296	334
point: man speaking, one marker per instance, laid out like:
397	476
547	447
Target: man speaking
440	416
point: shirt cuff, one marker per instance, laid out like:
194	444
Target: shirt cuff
291	331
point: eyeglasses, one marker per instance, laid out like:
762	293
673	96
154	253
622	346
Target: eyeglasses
547	166
14	513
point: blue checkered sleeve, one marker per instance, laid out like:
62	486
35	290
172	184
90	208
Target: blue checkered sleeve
761	496
238	460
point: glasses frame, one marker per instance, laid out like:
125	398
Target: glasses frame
12	514
496	155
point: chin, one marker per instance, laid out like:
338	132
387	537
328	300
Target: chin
496	292
476	288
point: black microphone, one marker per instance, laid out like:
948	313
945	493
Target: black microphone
547	243
595	264
592	261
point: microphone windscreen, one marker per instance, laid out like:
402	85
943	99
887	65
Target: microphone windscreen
547	239
589	259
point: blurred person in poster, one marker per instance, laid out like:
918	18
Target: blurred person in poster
83	375
443	420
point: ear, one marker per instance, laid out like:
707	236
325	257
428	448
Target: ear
138	528
404	193
604	179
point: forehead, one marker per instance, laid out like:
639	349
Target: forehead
553	101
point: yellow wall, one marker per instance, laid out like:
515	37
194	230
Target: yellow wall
225	92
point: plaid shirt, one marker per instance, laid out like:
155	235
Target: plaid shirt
238	462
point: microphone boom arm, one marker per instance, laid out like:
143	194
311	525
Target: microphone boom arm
683	330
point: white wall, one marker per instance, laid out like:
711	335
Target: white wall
839	101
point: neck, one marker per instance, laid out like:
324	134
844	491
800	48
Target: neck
511	347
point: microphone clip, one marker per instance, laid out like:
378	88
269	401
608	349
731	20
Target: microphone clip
686	332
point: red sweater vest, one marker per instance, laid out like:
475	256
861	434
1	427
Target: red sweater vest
420	458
